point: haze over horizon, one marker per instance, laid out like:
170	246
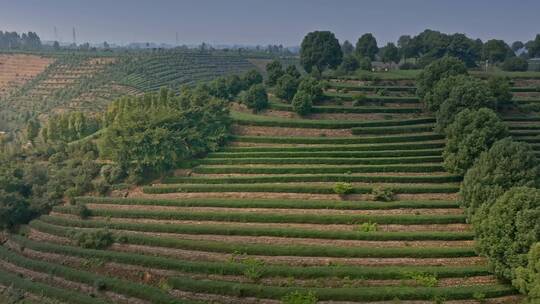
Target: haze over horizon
258	22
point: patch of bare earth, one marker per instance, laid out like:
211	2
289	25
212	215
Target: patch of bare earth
279	131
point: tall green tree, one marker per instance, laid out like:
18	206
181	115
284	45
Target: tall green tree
320	49
389	53
437	70
347	48
366	46
274	71
471	133
533	47
496	51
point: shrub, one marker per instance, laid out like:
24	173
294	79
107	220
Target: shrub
274	71
349	63
382	194
95	239
101	186
112	173
250	78
515	64
298	297
471	133
437	70
293	71
528	277
286	87
506	229
82	211
501	89
472	93
312	87
343	189
100	285
14	210
424	279
365	64
254	269
359	100
255	98
368	227
441	91
505	165
302	103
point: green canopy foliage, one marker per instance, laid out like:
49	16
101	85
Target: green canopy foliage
507	229
158	131
472	132
505	165
320	49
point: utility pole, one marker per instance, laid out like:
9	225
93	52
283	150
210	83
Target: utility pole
55	34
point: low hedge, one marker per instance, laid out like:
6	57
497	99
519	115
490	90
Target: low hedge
323	160
40	289
290	188
368	148
269	121
338	140
269	203
250	217
260	231
342	109
371	88
394	130
372	98
525	89
313	178
525	133
372	293
234	268
124	287
273	249
420	167
521	118
337	152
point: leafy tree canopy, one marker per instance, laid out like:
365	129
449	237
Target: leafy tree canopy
320	49
366	46
472	132
508	228
505	165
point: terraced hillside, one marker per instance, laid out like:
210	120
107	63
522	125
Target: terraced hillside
16	70
260	220
89	81
148	72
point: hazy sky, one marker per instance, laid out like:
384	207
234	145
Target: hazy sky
264	22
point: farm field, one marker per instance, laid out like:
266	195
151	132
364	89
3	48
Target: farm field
57	83
261	219
16	70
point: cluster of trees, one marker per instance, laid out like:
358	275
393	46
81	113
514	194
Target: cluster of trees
158	131
500	189
289	85
321	50
12	40
32	180
446	89
65	127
